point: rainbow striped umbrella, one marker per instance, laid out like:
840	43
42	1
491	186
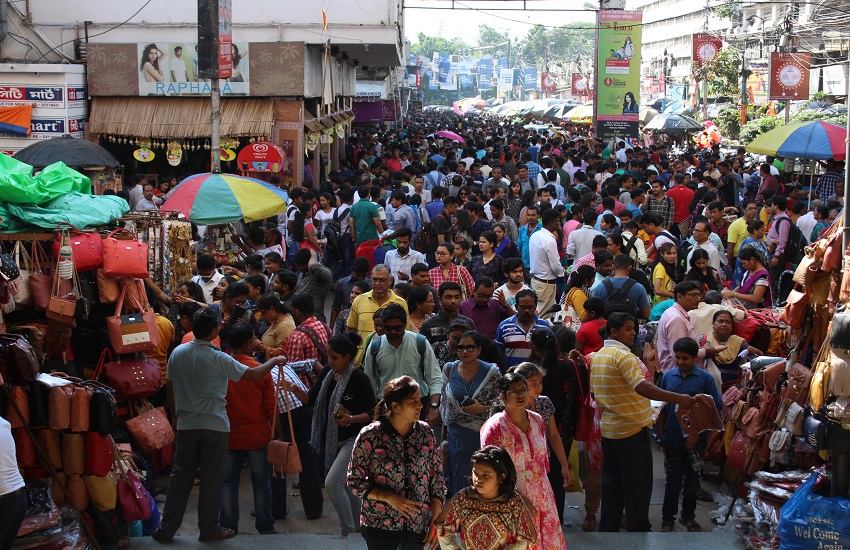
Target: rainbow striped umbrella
209	199
807	140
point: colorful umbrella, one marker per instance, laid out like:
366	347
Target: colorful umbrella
450	135
809	140
582	113
209	199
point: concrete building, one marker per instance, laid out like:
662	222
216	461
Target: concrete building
295	71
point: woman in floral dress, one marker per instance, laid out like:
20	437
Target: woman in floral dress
523	434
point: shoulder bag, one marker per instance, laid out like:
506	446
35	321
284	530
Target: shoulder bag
150	428
103	410
132	332
131	378
73	454
59	407
62	306
18	363
40	278
125	257
87	247
23	297
586	411
282	454
133	498
98	454
103	491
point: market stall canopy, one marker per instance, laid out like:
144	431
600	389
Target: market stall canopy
809	140
17	184
583	113
179	117
674	124
79	209
647	114
210	199
74	152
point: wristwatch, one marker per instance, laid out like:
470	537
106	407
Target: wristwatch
435	404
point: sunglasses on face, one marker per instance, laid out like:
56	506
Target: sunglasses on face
393	328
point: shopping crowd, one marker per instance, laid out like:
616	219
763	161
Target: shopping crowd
480	292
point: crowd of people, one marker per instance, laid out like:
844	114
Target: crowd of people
480	291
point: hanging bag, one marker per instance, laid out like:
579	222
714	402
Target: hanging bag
133	498
282	454
23	297
87	247
125	257
150	428
62	306
40	278
132	332
103	410
131	378
586	410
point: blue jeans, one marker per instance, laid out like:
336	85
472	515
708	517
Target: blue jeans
346	246
681	478
261	472
347	505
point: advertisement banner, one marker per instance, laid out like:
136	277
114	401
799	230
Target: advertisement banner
444	68
433	80
173	68
548	83
705	47
485	77
579	86
501	63
618	74
49	97
388	110
506	81
215	39
465	80
789	75
529	78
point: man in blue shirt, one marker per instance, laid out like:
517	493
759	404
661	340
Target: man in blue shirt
436	205
514	333
526	231
636	293
197	386
685	378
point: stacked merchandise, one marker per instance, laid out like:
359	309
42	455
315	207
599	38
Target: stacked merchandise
88	439
171	252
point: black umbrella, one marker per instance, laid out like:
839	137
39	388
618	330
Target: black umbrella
75	152
674	124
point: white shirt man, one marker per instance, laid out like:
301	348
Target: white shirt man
178	66
580	241
807	222
715	258
545	263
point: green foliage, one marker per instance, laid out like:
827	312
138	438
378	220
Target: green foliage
427	45
727	10
804	116
754	128
729	122
565	43
721	73
488	36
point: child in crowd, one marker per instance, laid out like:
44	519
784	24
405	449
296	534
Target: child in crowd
490	514
681	454
588	339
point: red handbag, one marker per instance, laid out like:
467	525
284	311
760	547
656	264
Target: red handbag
151	428
586	411
746	328
87	247
125	258
40	279
130	378
98	454
133	498
132	332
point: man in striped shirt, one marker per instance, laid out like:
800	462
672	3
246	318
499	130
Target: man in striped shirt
514	333
622	395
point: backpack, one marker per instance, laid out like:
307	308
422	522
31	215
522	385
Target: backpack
335	224
618	298
795	247
375	347
330	231
628	247
683	248
425	241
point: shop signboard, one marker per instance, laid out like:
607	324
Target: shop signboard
705	47
835	79
76	97
618	74
46	97
216	57
388	110
789	75
173	69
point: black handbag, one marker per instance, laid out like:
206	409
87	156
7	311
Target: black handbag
9	268
87	294
814	429
109	527
39	415
103	409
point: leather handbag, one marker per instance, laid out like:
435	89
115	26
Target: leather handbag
78	492
40	278
793	418
586	411
107	288
39	399
103	491
799	382
49	441
80	409
752	422
808	267
18	363
282	454
125	257
132	332
62	307
730	398
98	454
19	396
150	428
795	307
736	458
23	297
24	448
779	443
131	378
814	429
103	410
59	480
73	454
768	377
86	246
59	408
133	498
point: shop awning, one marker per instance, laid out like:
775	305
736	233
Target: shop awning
170	117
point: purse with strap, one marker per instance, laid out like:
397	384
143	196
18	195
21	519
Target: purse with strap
40	278
133	499
23	297
103	409
18	362
150	428
586	411
131	378
62	306
132	332
87	247
282	454
125	257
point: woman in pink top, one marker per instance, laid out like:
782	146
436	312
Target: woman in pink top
573	222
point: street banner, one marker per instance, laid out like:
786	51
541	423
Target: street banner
444	68
579	85
548	83
529	78
501	63
617	74
789	75
485	73
215	39
506	81
705	47
465	80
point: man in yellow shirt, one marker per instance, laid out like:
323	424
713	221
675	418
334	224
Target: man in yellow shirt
622	395
738	230
364	306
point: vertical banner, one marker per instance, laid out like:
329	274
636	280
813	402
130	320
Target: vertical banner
789	76
579	85
501	63
705	47
215	39
548	83
444	68
485	74
529	78
506	81
617	74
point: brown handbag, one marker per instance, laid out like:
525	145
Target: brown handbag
40	279
282	454
103	491
795	308
107	288
59	481
20	396
62	306
752	421
49	441
132	332
19	365
59	407
73	454
807	268
150	428
78	492
80	409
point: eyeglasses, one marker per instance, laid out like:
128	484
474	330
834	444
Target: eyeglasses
380	280
694	294
471	347
517	393
393	328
